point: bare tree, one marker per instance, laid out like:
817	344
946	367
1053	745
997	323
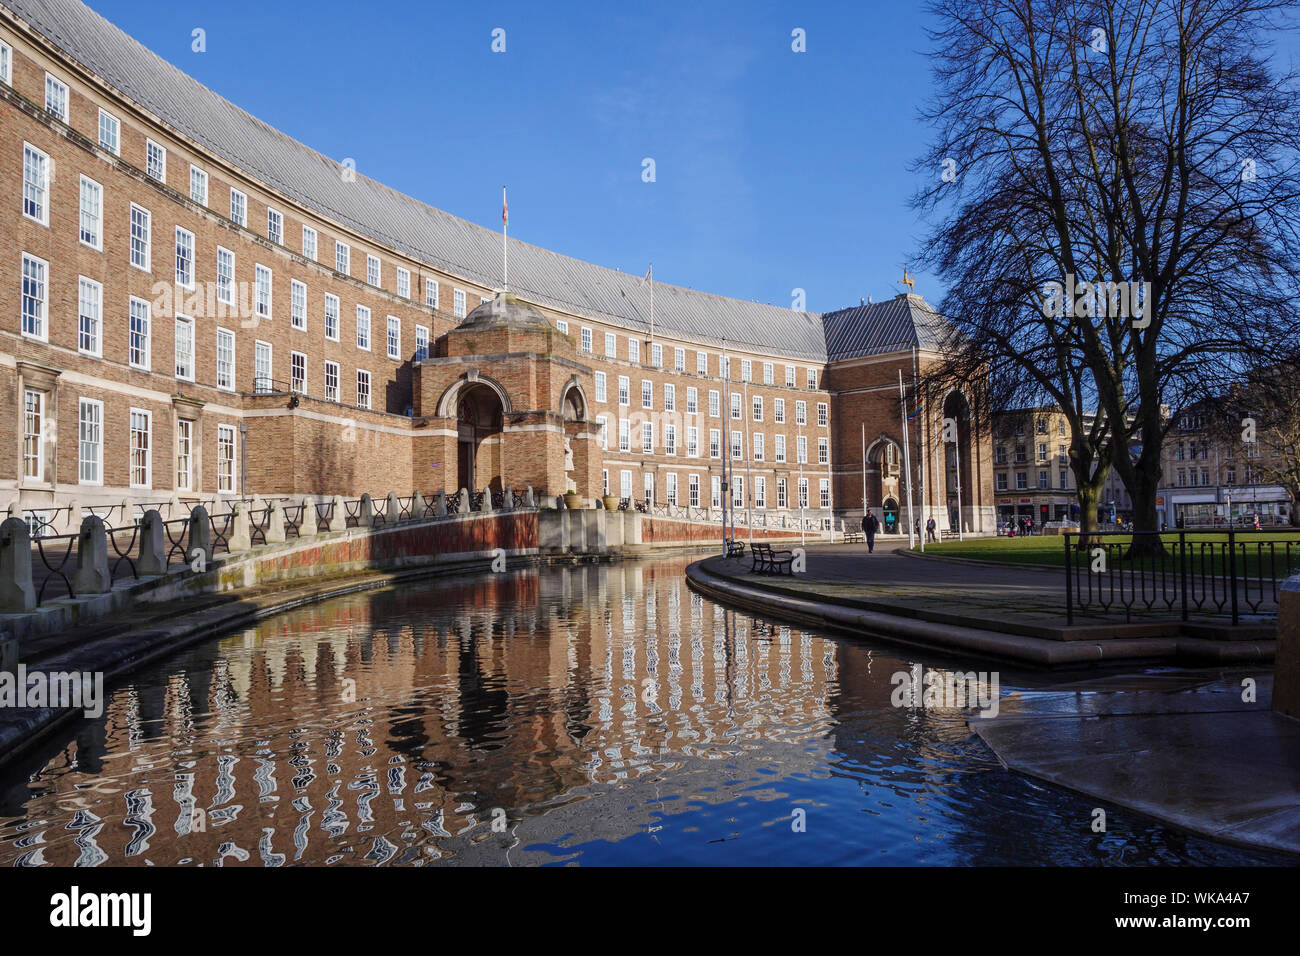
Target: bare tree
1116	203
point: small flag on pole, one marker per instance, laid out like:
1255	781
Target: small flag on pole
646	278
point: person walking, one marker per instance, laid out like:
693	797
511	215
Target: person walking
929	529
869	528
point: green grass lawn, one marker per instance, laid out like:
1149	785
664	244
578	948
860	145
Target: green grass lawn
1205	551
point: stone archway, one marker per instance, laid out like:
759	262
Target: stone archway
884	470
959	490
479	447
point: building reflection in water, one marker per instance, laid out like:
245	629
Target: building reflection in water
603	713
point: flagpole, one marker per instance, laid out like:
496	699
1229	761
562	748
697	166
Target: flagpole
864	469
907	461
652	304
505	246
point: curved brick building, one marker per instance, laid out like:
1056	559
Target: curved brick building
195	304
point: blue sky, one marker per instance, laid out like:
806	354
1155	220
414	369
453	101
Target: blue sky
775	170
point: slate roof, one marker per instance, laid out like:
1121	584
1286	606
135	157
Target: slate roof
903	322
438	238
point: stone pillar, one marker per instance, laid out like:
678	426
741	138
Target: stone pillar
1286	672
339	516
275	523
529	500
16	591
366	512
508	499
92	575
200	535
440	505
239	536
487	500
307	523
394	508
71	523
463	506
153	545
418	505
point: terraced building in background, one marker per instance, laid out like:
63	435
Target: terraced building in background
195	304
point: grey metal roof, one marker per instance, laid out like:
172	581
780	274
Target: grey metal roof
427	234
903	322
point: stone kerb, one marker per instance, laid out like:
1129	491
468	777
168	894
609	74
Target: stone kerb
16	592
92	575
153	547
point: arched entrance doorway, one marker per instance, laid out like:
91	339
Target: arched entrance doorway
891	515
478	434
959	488
884	468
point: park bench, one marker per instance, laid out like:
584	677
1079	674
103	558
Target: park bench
735	549
767	561
949	534
853	537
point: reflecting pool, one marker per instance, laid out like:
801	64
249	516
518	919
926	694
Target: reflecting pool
591	715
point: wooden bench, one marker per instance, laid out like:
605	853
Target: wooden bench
853	537
735	549
948	534
767	561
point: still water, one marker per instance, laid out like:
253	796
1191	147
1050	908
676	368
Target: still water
593	715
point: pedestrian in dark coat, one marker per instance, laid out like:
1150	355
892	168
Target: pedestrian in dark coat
869	528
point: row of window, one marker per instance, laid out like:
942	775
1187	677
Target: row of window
1000	453
585	344
1022	480
715	406
738	499
758	452
139	450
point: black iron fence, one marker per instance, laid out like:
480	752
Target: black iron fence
1202	573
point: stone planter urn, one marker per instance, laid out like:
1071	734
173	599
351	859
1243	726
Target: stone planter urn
611	503
572	500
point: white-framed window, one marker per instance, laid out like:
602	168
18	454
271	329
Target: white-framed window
634	350
670	488
298	304
736	411
692	442
801	413
648	486
56	98
184	258
35	297
372	270
36	184
624	435
803	492
91	215
331	381
760	492
309	242
141	448
823	414
155	160
430	292
647	438
604	481
363	328
611	345
421	343
225	360
33	434
692	400
226	458
715	403
823	451
789	376
801	449
458	303
701	363
363	388
110	133
331	317
275	226
263	374
778	410
185	348
670	397
824	496
298	372
715	443
601	390
657	355
738	491
404	282
767	373
812	378
746	370
778	447
715	491
737	446
756	443
262	291
586	340
90	317
624	390
670	439
679	359
140	238
342	258
603	422
90	441
693	490
625	483
758	407
394	337
184	454
225	276
198	185
6	64
782	497
647	393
